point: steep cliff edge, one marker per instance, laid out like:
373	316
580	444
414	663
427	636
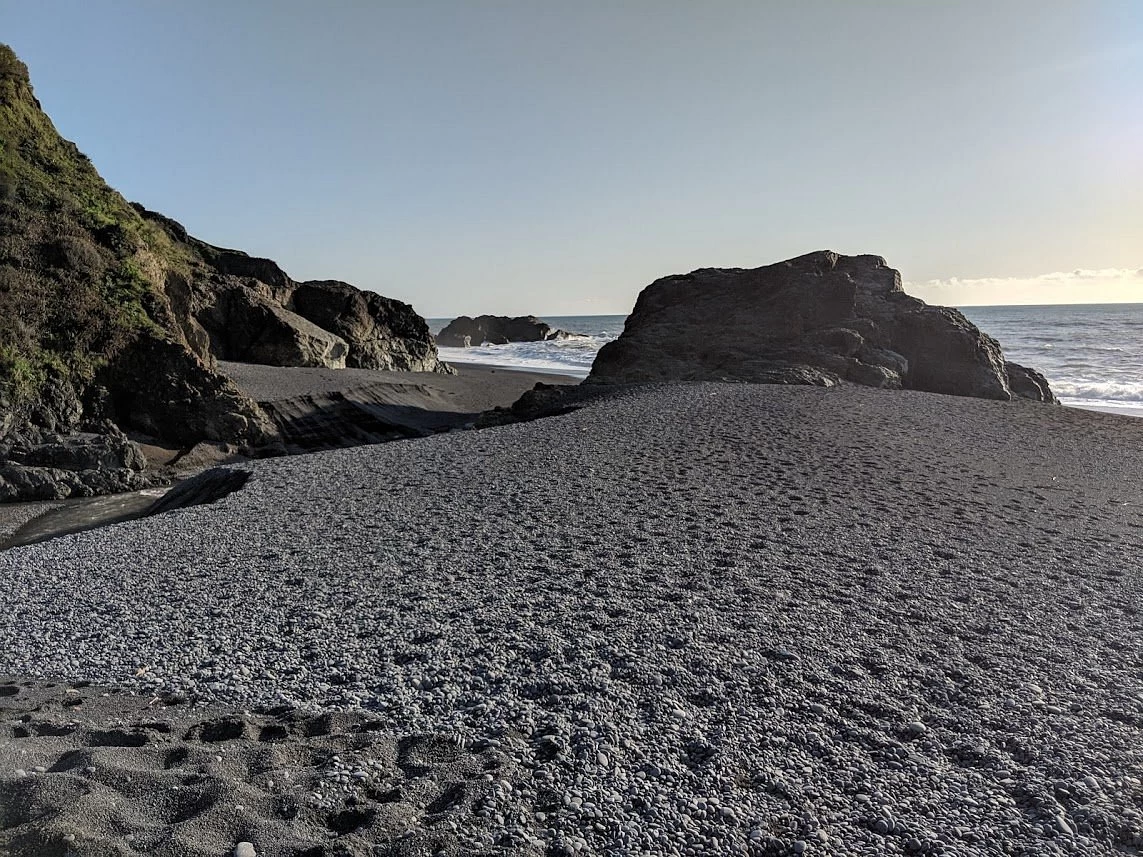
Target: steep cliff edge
112	319
84	311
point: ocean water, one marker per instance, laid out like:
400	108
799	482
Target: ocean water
1091	354
565	356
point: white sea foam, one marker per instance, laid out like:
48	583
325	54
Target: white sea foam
532	356
571	356
1100	392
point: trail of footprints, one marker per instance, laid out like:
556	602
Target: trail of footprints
170	782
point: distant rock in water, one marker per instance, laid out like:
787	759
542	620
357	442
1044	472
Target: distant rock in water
112	319
818	319
464	332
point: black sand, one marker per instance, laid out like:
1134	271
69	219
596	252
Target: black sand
705	619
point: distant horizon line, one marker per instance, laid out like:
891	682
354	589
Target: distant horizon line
613	314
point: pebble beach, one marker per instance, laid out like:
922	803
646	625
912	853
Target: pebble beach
680	620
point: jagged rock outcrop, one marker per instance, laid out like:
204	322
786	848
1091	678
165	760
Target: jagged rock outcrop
247	326
47	466
1028	383
162	390
113	317
247	309
464	331
382	333
50	483
85	451
818	319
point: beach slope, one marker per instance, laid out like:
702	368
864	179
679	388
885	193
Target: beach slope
701	618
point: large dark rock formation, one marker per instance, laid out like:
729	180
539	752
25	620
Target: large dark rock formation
464	331
246	325
382	333
245	309
818	319
112	319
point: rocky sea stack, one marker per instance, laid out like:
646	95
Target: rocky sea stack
817	319
112	319
464	332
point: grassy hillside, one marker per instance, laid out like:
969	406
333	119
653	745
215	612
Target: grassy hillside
80	270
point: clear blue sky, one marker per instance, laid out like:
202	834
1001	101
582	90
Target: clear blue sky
519	156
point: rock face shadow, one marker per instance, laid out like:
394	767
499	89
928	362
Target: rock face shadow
209	486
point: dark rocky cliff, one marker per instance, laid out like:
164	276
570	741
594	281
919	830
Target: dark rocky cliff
242	308
83	299
112	317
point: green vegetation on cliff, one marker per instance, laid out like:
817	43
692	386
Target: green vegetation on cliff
110	313
80	270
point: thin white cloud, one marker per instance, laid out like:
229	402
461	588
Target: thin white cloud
1081	286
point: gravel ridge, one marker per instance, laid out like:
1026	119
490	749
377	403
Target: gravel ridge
696	619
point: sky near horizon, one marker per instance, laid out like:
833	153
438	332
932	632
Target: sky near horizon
525	156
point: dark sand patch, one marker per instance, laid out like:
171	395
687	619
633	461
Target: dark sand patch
473	389
317	409
94	771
